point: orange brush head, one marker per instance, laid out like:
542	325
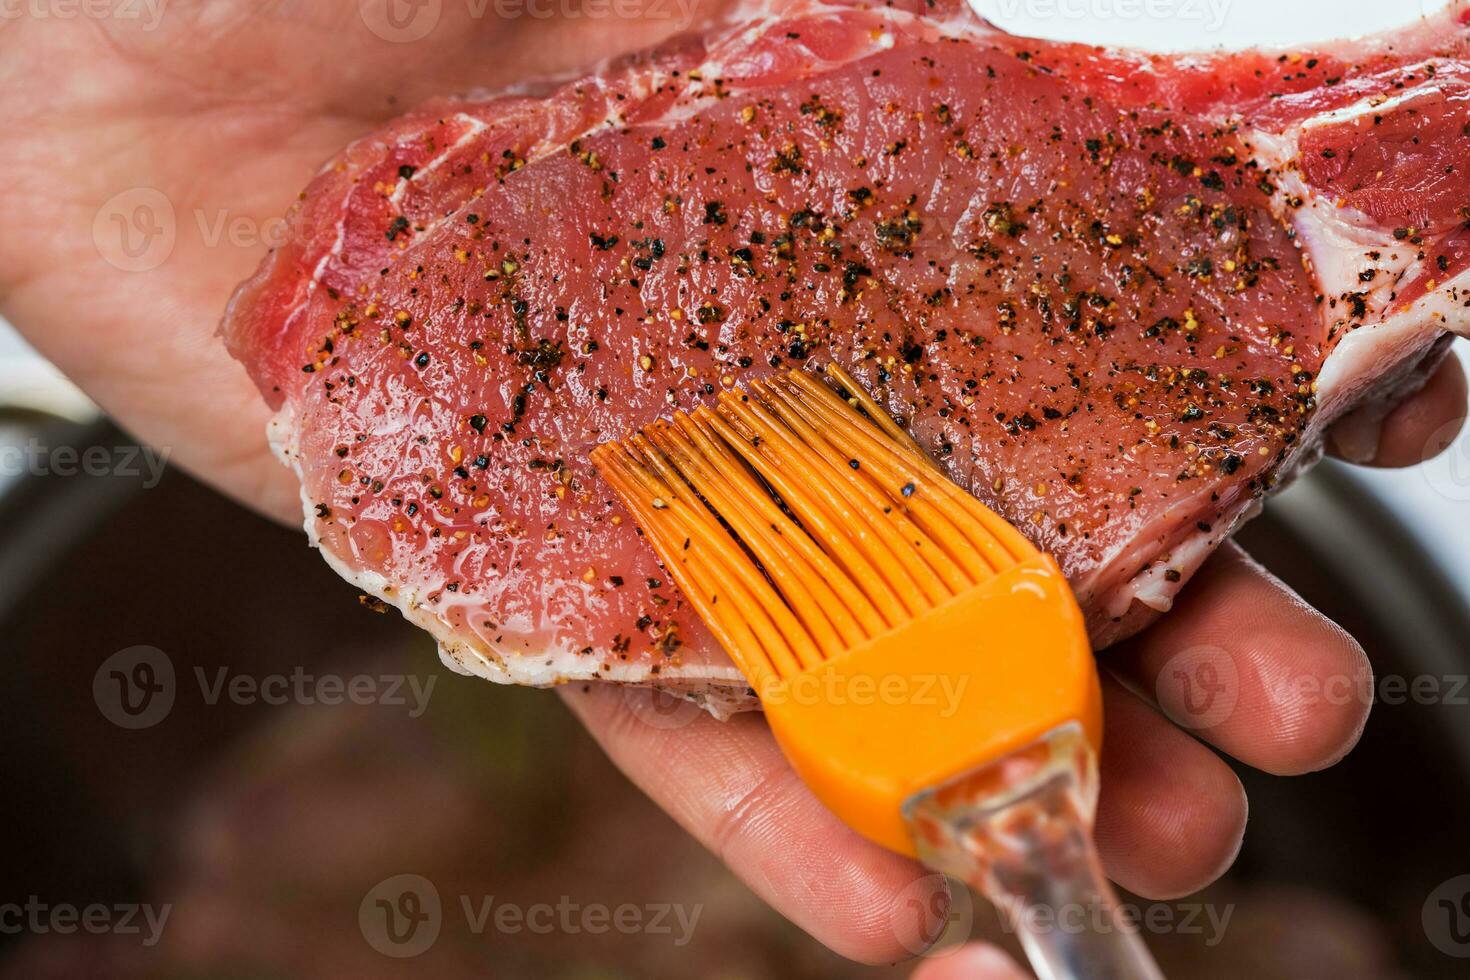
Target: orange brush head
897	631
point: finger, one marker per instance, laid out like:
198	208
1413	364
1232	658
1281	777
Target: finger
1425	425
1172	815
728	785
976	962
1420	428
1248	666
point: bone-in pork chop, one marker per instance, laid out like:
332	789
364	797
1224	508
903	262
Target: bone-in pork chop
1119	296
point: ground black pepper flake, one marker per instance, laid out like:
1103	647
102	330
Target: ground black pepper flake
545	356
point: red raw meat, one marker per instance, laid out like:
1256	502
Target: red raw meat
1119	295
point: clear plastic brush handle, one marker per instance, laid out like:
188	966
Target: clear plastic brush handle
1020	831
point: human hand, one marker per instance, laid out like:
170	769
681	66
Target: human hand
148	163
225	109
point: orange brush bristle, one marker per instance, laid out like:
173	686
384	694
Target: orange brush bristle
854	530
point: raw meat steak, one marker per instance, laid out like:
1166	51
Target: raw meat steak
1119	295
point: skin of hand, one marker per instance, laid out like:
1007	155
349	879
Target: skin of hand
223	109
